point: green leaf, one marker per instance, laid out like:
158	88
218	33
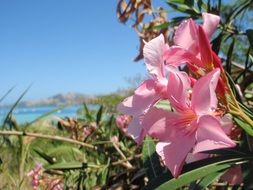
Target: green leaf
66	166
14	106
186	2
202	168
245	126
246	110
249	33
207	180
6	94
151	159
237	151
161	26
184	8
230	56
46	157
87	113
99	115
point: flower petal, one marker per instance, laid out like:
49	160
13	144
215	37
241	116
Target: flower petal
136	131
143	97
153	56
174	152
204	99
205	50
210	135
177	56
158	123
178	86
210	23
186	36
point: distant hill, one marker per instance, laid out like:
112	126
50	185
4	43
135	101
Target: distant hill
110	99
57	100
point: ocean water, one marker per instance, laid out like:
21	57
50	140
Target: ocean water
23	115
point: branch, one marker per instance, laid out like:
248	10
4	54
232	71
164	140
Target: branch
51	137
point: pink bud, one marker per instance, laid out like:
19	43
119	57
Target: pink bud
122	122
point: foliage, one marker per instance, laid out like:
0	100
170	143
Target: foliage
91	152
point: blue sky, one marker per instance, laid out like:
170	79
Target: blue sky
64	46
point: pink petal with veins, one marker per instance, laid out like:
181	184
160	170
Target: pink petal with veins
204	99
210	135
210	23
153	56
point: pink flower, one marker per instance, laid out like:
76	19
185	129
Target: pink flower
122	122
192	44
149	91
36	175
192	125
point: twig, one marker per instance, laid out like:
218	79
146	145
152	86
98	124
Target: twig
128	165
39	135
127	159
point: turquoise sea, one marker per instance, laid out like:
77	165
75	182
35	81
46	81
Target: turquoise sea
27	114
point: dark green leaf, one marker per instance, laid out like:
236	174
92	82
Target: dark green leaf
249	33
87	113
99	115
8	116
184	8
151	159
66	166
6	94
230	56
216	43
199	172
46	157
237	151
202	168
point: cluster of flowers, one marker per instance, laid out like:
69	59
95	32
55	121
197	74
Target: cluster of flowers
198	104
35	174
39	180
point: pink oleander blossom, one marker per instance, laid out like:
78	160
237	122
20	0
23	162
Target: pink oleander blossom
192	44
193	125
150	91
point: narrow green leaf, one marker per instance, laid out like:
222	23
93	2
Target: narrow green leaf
207	180
161	26
87	113
66	166
14	106
249	33
46	157
237	151
184	8
230	56
99	115
246	110
209	166
6	94
151	159
245	126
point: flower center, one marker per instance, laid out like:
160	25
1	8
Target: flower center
184	123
